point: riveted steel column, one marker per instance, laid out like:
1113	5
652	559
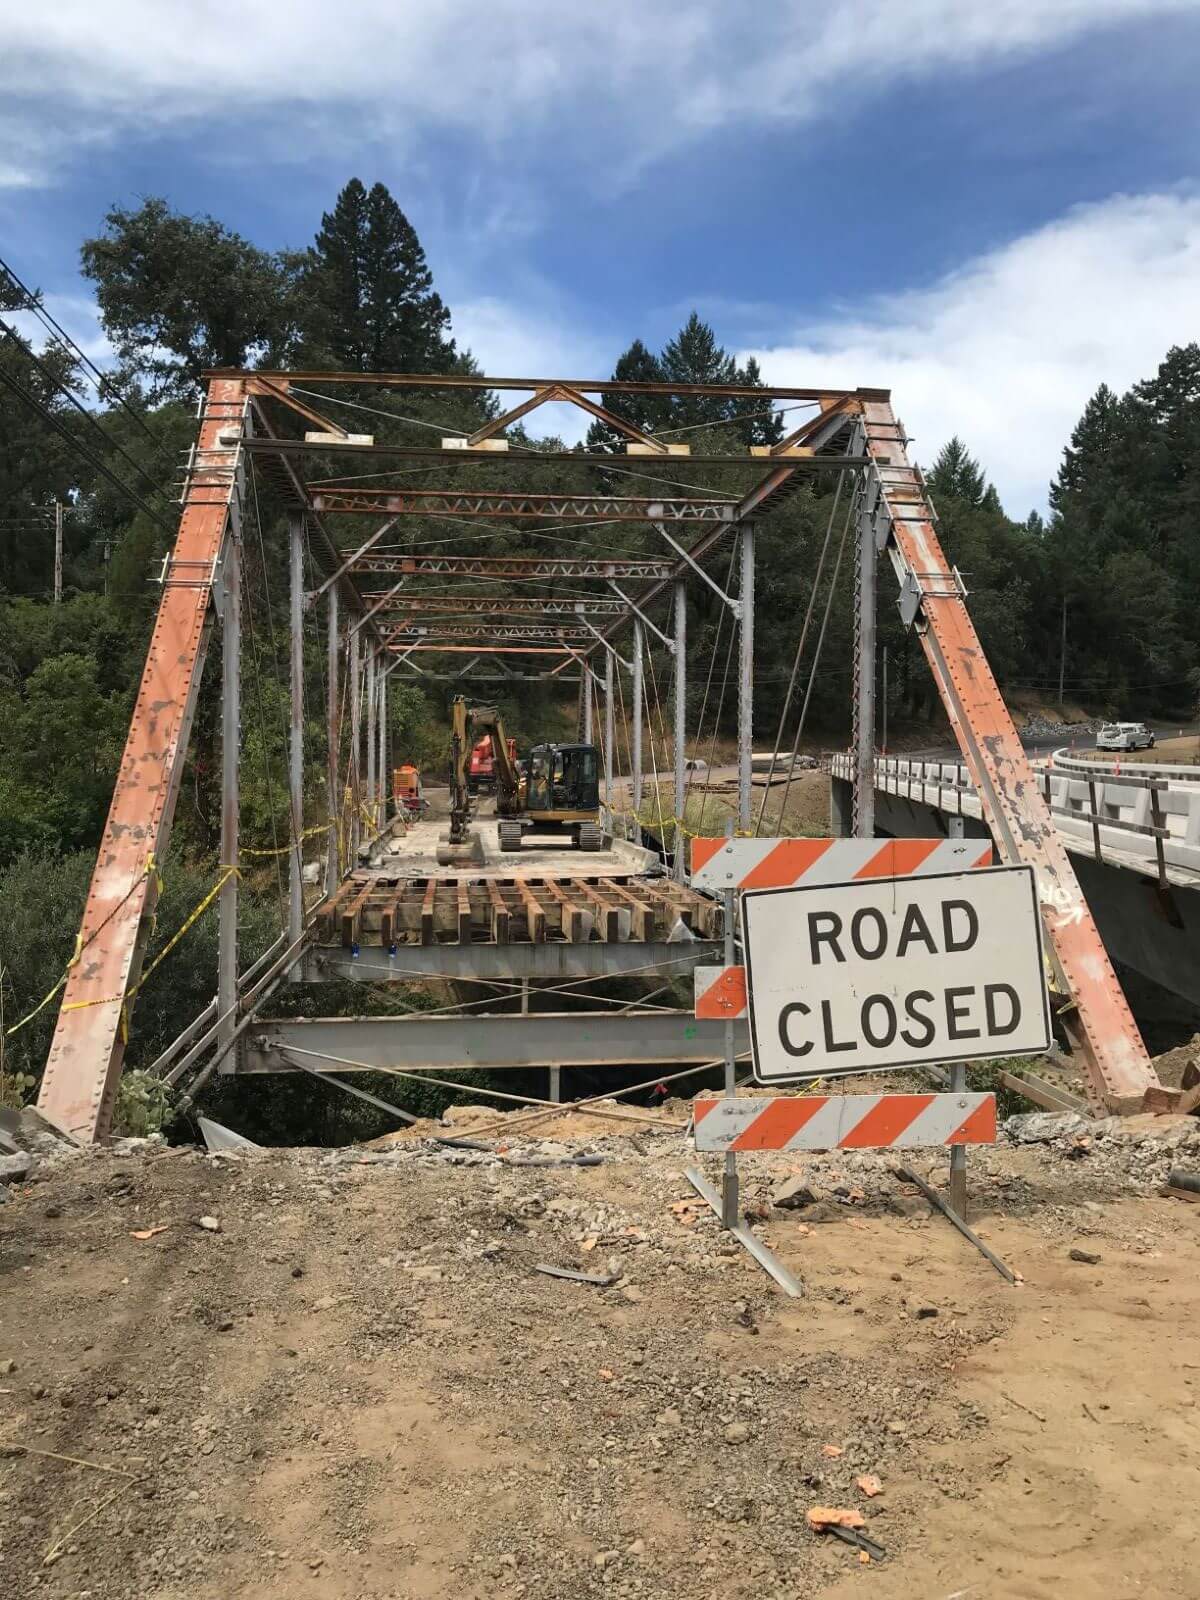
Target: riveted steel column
383	751
608	730
864	675
333	738
296	733
372	703
587	703
745	731
680	722
231	721
637	695
354	671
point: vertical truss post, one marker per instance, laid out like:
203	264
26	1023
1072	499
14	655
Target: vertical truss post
372	708
587	703
333	744
383	751
745	731
231	724
609	729
296	732
637	695
680	724
864	671
354	672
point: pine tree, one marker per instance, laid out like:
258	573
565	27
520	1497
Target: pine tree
694	356
374	305
644	411
759	421
958	474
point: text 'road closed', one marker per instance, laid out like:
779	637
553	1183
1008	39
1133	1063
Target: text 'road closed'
891	972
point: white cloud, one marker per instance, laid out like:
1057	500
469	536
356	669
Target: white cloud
77	316
617	83
1006	351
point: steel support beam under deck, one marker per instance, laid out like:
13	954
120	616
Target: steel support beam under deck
539	1039
547	963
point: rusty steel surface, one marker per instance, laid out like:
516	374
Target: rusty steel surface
501	632
333	500
261	381
1117	1061
516	569
490	605
80	1080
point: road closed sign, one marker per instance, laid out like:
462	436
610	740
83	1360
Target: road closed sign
893	972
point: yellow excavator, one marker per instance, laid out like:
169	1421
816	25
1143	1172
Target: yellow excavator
559	793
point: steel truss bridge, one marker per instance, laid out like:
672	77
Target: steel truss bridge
582	618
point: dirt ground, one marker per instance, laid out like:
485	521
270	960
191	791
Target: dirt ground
360	1388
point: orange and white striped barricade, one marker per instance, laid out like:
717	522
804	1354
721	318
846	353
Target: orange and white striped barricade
845	1121
738	864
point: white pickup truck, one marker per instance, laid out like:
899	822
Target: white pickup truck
1125	736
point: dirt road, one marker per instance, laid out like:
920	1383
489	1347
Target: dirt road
359	1388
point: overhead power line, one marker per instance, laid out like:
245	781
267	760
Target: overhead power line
102	380
84	450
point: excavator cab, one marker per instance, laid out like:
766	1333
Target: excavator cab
561	795
563	777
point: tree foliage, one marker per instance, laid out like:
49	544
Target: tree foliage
372	303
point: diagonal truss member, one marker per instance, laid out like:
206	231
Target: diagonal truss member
84	1065
931	594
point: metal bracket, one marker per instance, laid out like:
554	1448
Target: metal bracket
735	606
638	612
628	665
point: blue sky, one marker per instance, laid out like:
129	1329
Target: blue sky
989	205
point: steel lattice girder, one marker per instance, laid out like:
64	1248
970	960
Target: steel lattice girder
332	501
496	605
1118	1064
516	569
501	632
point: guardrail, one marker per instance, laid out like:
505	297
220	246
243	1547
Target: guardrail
1150	811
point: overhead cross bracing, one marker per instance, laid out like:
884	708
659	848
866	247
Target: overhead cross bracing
503	633
514	569
250	419
398	502
496	605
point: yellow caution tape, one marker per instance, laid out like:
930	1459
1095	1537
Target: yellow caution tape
286	850
80	944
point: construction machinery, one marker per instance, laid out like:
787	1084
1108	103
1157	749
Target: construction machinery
481	770
559	793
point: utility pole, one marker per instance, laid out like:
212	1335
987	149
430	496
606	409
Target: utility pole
1062	651
58	530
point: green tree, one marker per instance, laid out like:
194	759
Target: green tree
372	301
958	474
179	295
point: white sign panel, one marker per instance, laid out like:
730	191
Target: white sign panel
894	972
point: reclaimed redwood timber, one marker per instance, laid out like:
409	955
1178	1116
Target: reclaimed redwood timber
641	925
500	913
352	916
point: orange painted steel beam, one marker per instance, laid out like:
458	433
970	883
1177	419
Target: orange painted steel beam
80	1082
1118	1064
